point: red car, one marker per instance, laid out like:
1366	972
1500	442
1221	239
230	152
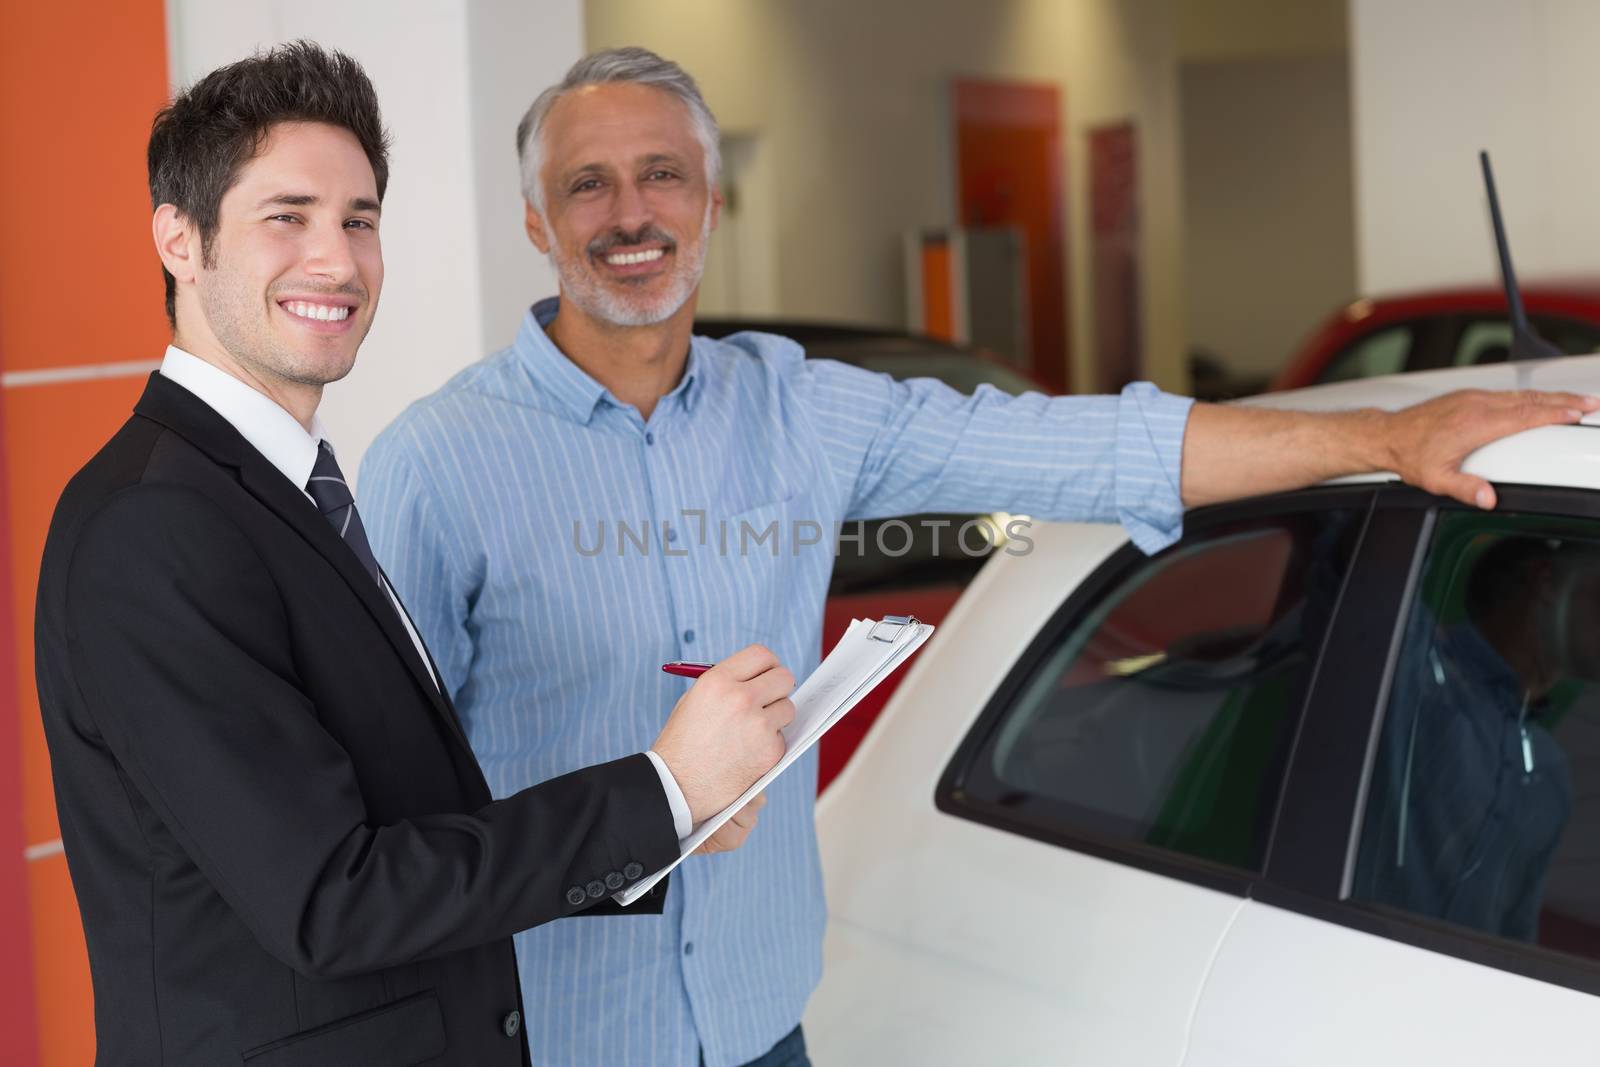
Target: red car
926	579
1440	328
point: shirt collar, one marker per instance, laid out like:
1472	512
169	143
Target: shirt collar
268	428
570	385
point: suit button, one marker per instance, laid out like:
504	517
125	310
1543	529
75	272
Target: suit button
597	889
633	872
576	896
511	1025
615	881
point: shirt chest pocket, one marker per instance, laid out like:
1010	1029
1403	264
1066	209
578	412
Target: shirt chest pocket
766	561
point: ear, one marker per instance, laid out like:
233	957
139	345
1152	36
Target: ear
533	222
176	243
716	205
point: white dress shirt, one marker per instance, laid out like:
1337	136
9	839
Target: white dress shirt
279	437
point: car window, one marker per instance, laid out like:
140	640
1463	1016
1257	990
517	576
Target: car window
1574	337
919	551
1382	352
1483	801
958	370
914	552
1161	712
1483	341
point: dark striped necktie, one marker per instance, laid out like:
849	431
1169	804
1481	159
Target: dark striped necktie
338	505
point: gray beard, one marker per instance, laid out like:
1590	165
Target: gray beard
597	300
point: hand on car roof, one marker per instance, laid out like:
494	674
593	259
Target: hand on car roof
1233	451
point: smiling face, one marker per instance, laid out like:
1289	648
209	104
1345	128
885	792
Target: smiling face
627	208
290	281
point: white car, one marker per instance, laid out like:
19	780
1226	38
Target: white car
1318	785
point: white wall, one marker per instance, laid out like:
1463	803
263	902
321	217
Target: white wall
852	101
453	77
1436	80
1269	249
516	48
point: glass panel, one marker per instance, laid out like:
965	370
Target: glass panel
956	369
1164	714
1488	341
1572	336
1483	807
1381	353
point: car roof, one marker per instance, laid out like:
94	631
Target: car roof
1548	291
1551	455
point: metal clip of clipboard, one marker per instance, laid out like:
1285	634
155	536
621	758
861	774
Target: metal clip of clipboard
899	622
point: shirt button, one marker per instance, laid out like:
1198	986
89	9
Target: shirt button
672	535
649	438
511	1025
688	637
688	948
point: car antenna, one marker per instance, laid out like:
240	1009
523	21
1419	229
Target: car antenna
1526	344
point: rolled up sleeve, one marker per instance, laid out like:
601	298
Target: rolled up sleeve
1149	464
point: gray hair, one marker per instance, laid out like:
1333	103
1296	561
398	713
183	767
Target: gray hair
637	65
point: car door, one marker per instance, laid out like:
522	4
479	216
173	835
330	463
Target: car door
1431	892
1102	818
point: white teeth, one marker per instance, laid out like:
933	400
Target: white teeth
320	312
625	258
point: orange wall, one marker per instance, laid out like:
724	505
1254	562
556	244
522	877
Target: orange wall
1009	172
79	285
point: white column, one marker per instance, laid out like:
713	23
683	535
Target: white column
1433	81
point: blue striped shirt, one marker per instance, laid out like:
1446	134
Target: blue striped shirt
555	548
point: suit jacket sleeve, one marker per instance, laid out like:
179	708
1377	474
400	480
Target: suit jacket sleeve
179	643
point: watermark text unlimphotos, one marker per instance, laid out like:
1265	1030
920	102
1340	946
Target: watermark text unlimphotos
893	538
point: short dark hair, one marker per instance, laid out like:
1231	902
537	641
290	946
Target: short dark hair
201	141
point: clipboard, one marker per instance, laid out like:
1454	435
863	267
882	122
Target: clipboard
869	652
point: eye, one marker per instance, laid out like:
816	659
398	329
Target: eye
283	218
359	224
660	175
588	185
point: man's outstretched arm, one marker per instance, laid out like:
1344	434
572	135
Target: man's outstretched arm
1233	451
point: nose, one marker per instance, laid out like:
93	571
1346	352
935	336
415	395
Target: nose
329	256
631	210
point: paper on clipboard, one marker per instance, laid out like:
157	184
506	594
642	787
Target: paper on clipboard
868	653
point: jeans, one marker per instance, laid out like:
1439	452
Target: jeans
790	1052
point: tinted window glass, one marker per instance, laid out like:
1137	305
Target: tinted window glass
1162	713
1573	337
918	551
1483	804
957	370
1383	352
914	552
1487	341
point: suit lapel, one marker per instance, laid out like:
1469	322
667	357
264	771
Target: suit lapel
184	413
268	485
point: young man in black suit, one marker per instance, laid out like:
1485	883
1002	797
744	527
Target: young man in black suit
282	847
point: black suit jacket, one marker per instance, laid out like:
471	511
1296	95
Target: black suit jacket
283	849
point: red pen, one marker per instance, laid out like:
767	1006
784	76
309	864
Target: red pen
685	669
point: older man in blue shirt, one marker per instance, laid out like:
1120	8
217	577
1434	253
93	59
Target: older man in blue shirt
573	511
